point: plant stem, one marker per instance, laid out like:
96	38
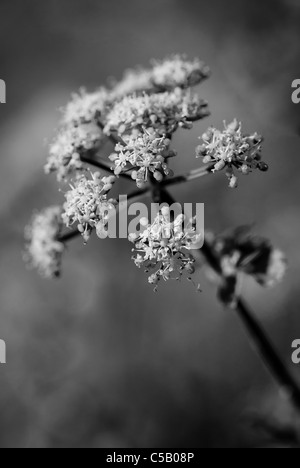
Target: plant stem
256	333
188	177
268	353
114	138
103	165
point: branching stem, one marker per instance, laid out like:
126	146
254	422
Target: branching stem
254	330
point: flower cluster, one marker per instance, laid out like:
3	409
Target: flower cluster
178	71
44	250
164	112
70	144
145	153
173	72
134	81
164	245
241	252
231	150
88	206
85	107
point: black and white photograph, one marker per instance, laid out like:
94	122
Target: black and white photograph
150	226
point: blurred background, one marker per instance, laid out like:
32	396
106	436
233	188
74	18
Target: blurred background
97	359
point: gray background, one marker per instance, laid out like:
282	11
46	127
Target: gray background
96	359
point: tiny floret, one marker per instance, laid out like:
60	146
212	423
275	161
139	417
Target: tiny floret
43	248
88	206
232	150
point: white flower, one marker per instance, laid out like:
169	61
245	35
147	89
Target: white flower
145	153
134	81
276	271
87	204
85	107
164	112
164	246
43	249
65	153
241	252
178	71
231	150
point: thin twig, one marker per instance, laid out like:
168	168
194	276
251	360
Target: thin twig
188	177
89	158
113	137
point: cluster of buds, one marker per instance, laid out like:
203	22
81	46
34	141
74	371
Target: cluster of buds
85	107
88	206
80	133
164	247
164	112
239	252
231	150
144	154
66	151
134	81
43	248
178	71
173	72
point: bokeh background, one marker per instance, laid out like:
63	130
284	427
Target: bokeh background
97	359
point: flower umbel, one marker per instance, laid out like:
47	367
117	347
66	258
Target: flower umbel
85	107
241	252
70	144
178	71
164	112
164	246
87	204
43	249
231	150
133	81
145	153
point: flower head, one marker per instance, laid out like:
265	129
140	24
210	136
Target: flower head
178	71
231	150
164	247
65	153
241	252
87	204
85	107
133	81
44	250
164	112
144	153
